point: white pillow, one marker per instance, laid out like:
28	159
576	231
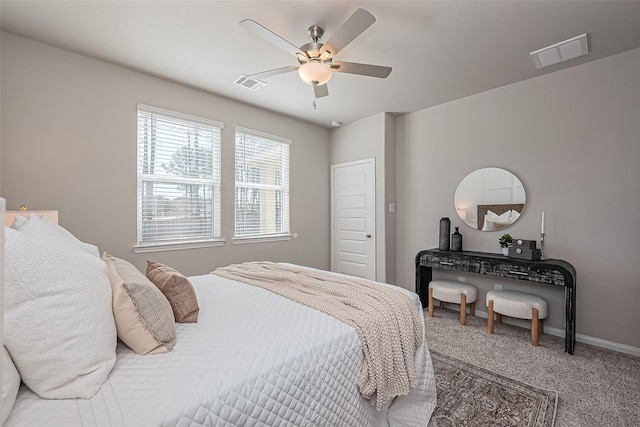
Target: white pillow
491	225
505	216
88	247
514	215
493	221
491	214
494	225
18	221
43	229
59	325
10	384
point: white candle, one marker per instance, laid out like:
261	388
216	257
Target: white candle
542	226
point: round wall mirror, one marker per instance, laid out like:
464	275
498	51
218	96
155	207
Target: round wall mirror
489	199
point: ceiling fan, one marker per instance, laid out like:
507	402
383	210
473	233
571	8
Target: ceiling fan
316	62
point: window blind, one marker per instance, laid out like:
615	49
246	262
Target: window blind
178	177
262	184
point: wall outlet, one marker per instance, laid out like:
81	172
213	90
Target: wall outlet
497	287
461	279
392	207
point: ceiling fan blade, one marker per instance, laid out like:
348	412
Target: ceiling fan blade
270	36
274	72
352	28
362	69
321	90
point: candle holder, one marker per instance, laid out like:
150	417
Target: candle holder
542	247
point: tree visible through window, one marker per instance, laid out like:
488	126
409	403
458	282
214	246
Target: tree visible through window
262	184
178	177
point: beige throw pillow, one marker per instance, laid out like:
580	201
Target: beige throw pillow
177	289
144	318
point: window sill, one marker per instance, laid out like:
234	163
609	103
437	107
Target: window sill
261	239
159	247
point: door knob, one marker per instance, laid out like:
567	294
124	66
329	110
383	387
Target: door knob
368	236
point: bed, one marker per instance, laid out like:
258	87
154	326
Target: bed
254	358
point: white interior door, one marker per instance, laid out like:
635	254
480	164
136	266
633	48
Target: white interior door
353	240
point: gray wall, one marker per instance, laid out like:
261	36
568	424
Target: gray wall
390	197
573	139
69	143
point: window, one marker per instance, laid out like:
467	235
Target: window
262	185
178	180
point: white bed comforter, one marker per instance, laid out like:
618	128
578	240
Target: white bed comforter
253	359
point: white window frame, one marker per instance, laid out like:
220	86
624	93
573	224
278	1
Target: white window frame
284	187
215	182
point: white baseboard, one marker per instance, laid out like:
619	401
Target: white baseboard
586	339
611	345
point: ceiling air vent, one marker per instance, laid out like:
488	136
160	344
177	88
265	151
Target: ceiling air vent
560	52
254	85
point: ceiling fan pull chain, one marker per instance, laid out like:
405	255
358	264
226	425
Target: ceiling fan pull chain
315	107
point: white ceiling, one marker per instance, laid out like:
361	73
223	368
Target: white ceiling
439	50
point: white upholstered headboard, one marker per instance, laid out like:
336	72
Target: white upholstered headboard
10	216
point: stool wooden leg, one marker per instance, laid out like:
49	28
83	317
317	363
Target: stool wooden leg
490	318
430	302
534	327
442	305
541	326
472	309
498	318
463	309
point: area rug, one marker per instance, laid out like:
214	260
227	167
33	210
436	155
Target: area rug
469	395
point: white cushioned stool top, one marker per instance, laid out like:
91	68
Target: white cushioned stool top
517	304
450	291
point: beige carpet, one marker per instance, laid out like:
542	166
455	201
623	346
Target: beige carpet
596	387
469	395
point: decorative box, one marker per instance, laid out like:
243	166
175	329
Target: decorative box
525	253
524	244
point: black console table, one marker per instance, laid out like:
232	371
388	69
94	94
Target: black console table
550	271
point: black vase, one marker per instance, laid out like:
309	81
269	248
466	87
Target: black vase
456	241
445	229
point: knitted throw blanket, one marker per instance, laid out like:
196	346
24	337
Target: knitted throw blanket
386	320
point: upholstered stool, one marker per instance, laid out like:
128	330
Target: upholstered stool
520	305
456	293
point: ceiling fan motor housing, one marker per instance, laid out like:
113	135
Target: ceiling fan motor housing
315	33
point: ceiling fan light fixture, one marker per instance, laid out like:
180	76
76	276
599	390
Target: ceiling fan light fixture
315	73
